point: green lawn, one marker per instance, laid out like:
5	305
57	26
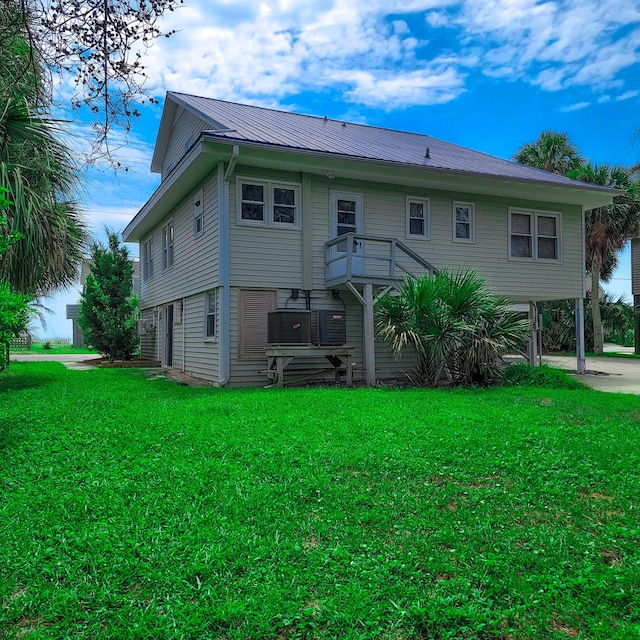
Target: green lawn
37	348
137	508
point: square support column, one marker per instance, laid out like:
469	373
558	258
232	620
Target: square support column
581	363
369	337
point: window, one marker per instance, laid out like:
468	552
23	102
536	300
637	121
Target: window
284	205
253	203
198	213
268	203
210	313
463	222
418	218
534	235
147	260
167	246
547	228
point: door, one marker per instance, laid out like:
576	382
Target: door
346	217
168	336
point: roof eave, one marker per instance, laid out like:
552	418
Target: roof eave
356	167
193	166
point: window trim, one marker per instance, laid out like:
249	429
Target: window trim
212	293
535	214
269	187
427	219
168	248
198	213
147	260
472	222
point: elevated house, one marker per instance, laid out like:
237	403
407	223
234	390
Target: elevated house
260	210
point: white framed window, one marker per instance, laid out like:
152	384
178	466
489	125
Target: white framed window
167	245
548	236
210	315
268	203
464	222
417	218
147	260
198	213
534	235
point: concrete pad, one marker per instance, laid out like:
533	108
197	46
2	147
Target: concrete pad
618	375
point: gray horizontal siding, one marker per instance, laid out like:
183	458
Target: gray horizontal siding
185	131
385	215
263	256
149	341
195	258
201	356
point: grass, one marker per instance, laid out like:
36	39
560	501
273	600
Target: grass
37	348
614	354
137	508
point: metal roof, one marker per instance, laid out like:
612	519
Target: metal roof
258	125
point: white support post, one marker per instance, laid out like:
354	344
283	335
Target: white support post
369	346
581	364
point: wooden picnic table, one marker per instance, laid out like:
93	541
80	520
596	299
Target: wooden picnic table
279	357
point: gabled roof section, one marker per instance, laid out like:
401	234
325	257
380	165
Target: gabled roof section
172	102
241	123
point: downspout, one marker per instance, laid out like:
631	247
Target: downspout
184	336
223	257
581	361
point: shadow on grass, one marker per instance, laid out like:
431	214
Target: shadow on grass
31	375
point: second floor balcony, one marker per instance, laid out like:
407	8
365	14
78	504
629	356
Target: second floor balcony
377	260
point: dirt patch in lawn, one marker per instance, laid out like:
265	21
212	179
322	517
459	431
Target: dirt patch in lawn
123	364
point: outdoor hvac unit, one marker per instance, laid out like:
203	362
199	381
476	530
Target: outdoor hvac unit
332	327
145	326
292	326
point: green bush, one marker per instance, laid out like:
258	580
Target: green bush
455	327
47	346
523	375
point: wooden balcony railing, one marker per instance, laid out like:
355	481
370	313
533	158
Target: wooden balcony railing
358	258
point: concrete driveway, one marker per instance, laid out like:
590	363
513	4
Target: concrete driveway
618	375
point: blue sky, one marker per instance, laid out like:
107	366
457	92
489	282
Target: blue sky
486	74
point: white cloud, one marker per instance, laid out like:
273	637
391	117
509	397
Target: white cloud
437	19
266	52
437	85
288	47
575	107
627	95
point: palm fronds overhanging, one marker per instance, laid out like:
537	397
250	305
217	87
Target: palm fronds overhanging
40	176
455	327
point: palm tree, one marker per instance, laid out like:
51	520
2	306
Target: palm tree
607	229
454	326
552	151
40	176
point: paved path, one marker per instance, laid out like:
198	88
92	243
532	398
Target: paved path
69	360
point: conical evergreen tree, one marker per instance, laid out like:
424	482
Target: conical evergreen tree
108	308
